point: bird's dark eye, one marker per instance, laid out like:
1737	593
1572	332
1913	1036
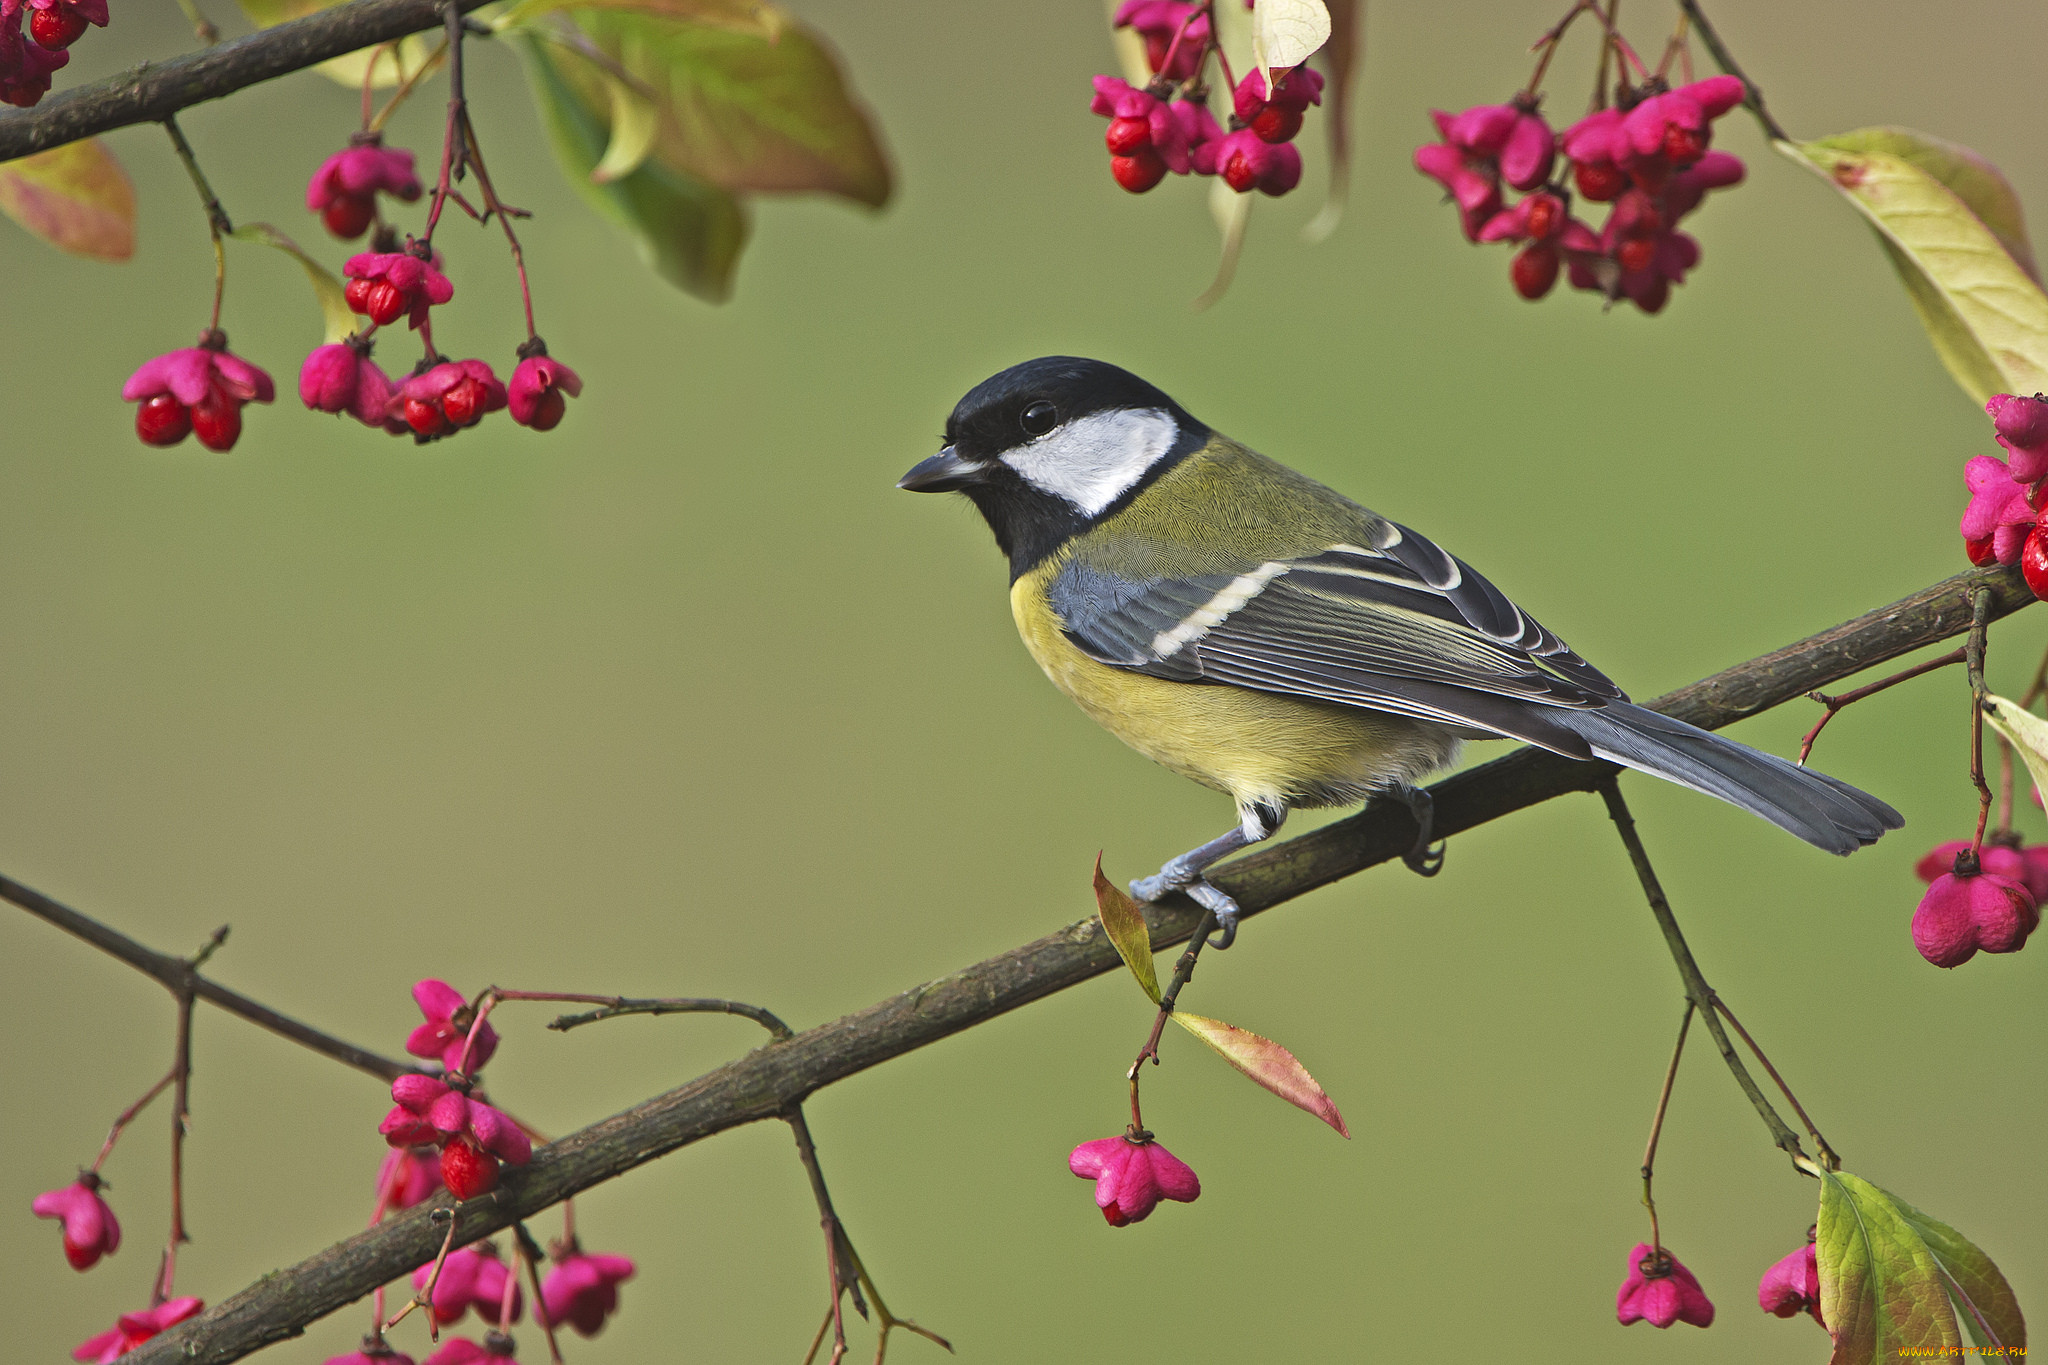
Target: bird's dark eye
1040	418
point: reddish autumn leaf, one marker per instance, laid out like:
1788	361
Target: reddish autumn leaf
1125	925
1266	1062
75	197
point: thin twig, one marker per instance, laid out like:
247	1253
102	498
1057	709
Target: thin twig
1182	971
619	1006
425	1297
127	1116
530	1254
1827	1153
1836	703
453	153
217	224
1696	988
1657	1126
1980	620
1752	97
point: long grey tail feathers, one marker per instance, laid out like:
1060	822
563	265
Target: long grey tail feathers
1826	813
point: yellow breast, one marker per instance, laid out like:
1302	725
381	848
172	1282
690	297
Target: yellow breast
1252	745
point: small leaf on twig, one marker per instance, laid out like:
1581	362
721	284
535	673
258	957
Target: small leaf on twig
1881	1291
75	197
1266	1062
340	318
1951	227
2024	730
1125	925
1286	32
1342	56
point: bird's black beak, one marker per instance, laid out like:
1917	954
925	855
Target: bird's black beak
942	473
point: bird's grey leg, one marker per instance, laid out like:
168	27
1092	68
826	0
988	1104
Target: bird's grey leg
1421	859
1257	821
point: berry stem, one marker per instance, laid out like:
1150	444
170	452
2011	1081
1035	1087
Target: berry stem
1608	21
1182	971
1657	1126
452	160
425	1297
1752	97
127	1117
1827	1153
408	85
1836	703
1696	988
618	1006
1974	647
1675	46
217	223
1166	62
529	1256
493	205
377	54
181	1115
1546	48
482	1011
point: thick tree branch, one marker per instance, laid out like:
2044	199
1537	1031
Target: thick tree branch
154	91
179	976
767	1082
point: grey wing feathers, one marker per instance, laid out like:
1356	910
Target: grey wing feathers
1404	627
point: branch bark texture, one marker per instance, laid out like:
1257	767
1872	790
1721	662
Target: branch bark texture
154	91
770	1081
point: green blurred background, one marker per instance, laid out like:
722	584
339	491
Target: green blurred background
686	698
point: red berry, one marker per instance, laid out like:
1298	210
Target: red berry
387	303
162	420
1238	173
1636	253
349	215
467	1170
1544	213
464	403
1127	135
217	421
1140	172
1684	145
1599	183
425	418
56	28
1980	552
1274	124
1534	270
2034	562
548	411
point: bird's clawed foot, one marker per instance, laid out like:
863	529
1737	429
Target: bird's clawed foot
1178	877
1421	859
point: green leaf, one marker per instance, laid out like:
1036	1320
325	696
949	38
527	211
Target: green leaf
689	232
1978	300
745	112
340	318
1881	1290
1125	925
75	197
1984	1302
1266	1062
2024	730
634	123
394	64
742	16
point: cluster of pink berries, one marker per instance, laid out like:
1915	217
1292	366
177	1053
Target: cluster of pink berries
27	60
1659	1289
1979	899
1167	126
1649	158
473	1139
2002	524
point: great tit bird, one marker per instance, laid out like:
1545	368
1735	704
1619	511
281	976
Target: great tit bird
1266	636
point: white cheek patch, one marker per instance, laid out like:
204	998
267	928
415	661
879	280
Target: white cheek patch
1092	461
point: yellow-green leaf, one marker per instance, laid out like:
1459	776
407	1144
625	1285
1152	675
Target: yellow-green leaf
1983	1301
2024	730
1343	55
340	318
394	63
744	112
1125	925
1266	1062
75	197
1983	310
691	233
634	123
741	16
1130	49
1881	1290
1287	32
1981	186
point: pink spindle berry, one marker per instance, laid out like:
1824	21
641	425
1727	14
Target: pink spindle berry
344	190
450	396
25	67
496	1350
1995	859
1131	1176
1792	1286
2021	426
449	1020
429	1112
1668	132
1152	134
583	1290
1158	22
540	388
341	377
409	1176
1967	912
1660	1291
197	390
1277	118
90	1228
472	1277
1999	515
132	1329
1248	162
389	285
